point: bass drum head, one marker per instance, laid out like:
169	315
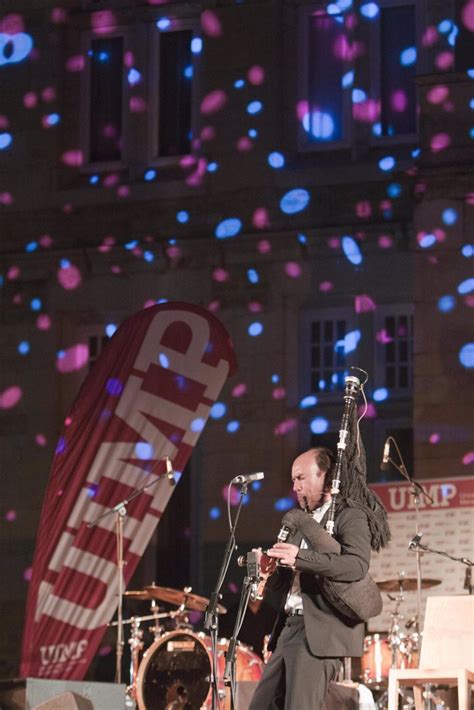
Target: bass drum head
175	672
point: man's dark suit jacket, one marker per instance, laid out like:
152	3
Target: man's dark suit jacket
329	633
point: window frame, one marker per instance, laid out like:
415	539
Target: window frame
382	312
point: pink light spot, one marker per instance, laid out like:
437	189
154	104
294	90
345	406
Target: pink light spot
197	176
4	123
239	390
440	142
76	63
18	299
12	24
371	412
129	59
214	306
68	208
48	94
435	438
6	198
233	587
399	101
137	104
255	307
123	191
264	246
285	427
364	304
211	24
468	458
385	241
469	300
279	393
111	180
58	15
73	158
366	111
467	15
326	286
41	439
256	75
174	252
27	574
244	144
213	102
363	209
103	22
444	60
188	161
10	397
73	359
260	218
437	94
383	337
234	495
13	273
10	516
107	244
105	650
46	241
293	269
149	303
302	109
69	277
220	275
208	133
385	205
30	100
116	269
430	36
43	322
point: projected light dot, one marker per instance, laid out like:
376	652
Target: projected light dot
369	10
163	23
196	45
110	329
134	77
143	450
466	355
41	440
310	401
380	394
387	163
149	175
212	167
319	124
408	57
114	387
214	513
31	246
94	179
445	26
52	119
348	79
5	140
239	390
426	240
10	397
302	238
163	360
319	425
255	329
228	228
358	96
35	304
276	160
239	84
294	201
468	250
351	250
197	424
449	216
466	287
10	516
233	426
27	574
350	342
24	347
254	107
252	276
252	133
43	322
446	303
293	269
188	72
283	504
218	410
394	190
182	217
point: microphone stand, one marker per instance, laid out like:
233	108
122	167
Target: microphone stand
120	511
230	667
463	560
211	620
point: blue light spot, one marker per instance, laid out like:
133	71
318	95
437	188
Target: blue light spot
387	163
253	276
134	76
110	329
214	513
188	72
427	241
468	250
283	504
256	485
452	36
131	245
18	47
348	79
94	179
466	355
197	424
319	124
349	343
31	246
218	410
415	152
60	446
445	26
91	490
276	160
163	23
24	347
377	129
255	329
319	425
252	133
5	140
449	216
144	451
35	304
275	379
182	217
53	119
233	426
310	401
239	84
196	45
466	287
369	10
60	354
446	303
302	238
408	57
294	201
64	263
358	96
150	175
163	360
394	190
103	56
114	387
254	107
228	228
212	167
470	73
380	394
148	256
351	250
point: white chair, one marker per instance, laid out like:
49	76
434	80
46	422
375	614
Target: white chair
447	652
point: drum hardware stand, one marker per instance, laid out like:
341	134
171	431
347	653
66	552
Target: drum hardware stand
211	621
120	511
136	645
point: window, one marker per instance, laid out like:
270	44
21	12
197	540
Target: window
96	344
105	99
395	338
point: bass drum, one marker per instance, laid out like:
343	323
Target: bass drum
175	672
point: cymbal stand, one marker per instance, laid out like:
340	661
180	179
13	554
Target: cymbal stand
136	645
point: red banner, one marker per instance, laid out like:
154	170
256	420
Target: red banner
148	396
445	493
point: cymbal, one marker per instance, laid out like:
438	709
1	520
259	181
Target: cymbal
406	584
174	596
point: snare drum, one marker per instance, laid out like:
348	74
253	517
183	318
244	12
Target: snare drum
176	671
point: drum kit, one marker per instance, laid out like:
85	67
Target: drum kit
175	671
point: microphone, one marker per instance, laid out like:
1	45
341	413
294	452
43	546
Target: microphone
413	544
384	466
169	471
249	477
